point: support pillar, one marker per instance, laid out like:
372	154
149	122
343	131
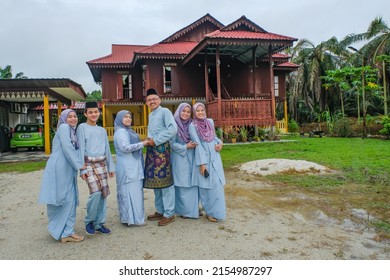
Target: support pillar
46	125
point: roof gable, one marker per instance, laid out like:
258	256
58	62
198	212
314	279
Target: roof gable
207	20
243	24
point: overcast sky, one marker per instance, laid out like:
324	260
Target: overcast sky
55	38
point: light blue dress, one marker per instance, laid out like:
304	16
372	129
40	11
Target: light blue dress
162	128
94	143
211	189
59	185
186	195
129	179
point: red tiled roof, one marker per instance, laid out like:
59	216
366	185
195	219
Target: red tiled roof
239	34
281	55
121	54
179	48
287	65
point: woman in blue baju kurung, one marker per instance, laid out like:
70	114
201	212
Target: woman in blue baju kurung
129	171
59	188
182	158
209	174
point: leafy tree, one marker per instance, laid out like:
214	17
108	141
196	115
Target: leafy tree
349	78
375	50
94	95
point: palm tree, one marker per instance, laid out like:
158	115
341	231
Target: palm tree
305	86
6	73
377	46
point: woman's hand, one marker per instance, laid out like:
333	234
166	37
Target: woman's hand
202	169
146	142
191	145
218	147
151	142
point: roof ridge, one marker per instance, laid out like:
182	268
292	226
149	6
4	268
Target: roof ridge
243	20
191	26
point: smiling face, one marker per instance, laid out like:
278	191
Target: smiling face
185	114
92	115
72	119
127	120
200	112
153	101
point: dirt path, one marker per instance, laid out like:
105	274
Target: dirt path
258	226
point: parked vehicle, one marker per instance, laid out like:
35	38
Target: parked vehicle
29	136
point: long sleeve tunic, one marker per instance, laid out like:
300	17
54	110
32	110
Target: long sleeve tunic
182	160
128	168
94	143
205	154
61	169
162	126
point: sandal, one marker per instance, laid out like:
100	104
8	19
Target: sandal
72	238
211	219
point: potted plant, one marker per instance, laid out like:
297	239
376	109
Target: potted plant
243	133
232	136
262	134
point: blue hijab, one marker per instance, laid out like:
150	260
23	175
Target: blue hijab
134	138
73	136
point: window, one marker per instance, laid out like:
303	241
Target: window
127	86
167	79
276	85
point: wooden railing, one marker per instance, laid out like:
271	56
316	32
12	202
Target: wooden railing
239	112
281	125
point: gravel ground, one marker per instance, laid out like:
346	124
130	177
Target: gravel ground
252	231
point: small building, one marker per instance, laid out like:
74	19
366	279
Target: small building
238	70
17	96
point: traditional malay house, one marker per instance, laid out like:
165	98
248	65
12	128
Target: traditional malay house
238	71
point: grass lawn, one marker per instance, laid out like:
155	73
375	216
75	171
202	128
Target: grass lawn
363	164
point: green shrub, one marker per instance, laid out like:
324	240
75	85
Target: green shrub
385	121
293	126
343	127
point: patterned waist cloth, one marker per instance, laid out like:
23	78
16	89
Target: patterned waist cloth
158	170
97	175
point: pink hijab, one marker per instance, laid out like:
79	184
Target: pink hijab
203	126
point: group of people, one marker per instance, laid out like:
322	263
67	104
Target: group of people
182	165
